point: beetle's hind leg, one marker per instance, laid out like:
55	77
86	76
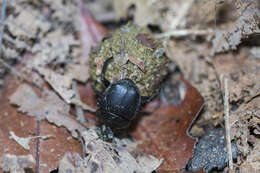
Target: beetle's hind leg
103	79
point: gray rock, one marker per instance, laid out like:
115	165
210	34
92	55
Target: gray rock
210	152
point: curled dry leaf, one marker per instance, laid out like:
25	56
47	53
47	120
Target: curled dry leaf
107	157
164	133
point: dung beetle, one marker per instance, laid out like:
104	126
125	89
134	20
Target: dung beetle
120	102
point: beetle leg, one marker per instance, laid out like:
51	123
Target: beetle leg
146	99
103	79
105	133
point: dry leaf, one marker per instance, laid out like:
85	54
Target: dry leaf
145	10
16	164
242	72
107	157
190	57
246	25
50	150
252	162
167	14
164	133
245	118
57	52
19	27
54	49
48	107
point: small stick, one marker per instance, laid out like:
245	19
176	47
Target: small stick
183	32
227	125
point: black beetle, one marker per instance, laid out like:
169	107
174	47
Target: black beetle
120	101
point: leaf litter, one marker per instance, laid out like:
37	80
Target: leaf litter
49	107
46	58
205	74
24	142
107	157
229	52
18	164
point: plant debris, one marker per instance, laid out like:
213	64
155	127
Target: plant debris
17	164
24	142
247	24
48	107
45	45
107	157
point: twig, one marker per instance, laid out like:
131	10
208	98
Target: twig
183	32
106	17
37	154
79	111
227	125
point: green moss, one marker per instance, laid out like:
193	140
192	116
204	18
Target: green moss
138	43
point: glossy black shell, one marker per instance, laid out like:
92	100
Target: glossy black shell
119	104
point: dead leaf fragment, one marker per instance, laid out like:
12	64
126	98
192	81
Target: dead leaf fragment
54	48
16	164
24	142
242	72
145	10
167	14
138	62
27	99
252	162
99	61
246	25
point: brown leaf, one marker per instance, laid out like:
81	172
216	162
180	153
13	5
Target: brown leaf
164	133
49	107
50	150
